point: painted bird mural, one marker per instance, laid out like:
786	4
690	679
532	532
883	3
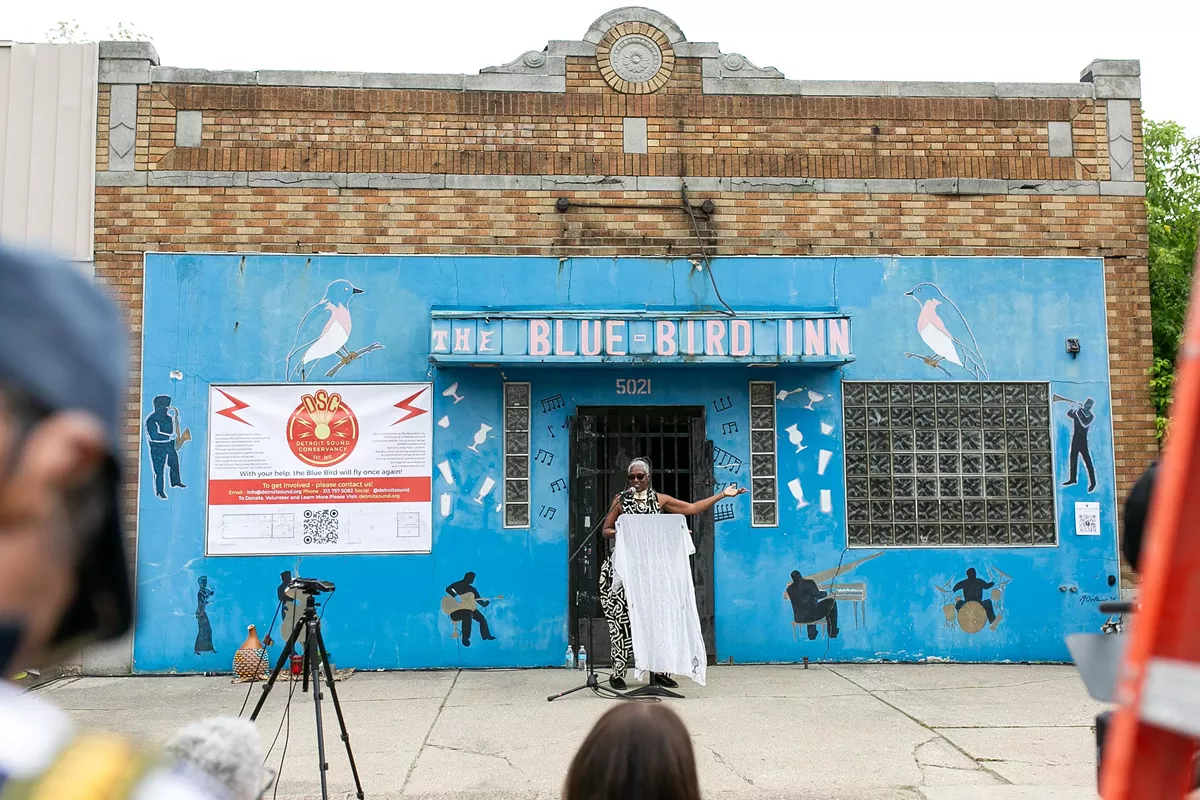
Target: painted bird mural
323	332
945	331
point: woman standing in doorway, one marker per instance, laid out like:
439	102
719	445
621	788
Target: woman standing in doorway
639	498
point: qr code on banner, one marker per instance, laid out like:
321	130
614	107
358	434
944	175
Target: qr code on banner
321	526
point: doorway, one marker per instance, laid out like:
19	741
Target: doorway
603	442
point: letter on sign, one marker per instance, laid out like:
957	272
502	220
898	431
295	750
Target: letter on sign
814	337
613	339
560	341
462	340
839	337
664	338
714	330
591	340
739	337
539	337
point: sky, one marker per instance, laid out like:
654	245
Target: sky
963	40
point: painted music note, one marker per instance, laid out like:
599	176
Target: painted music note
723	459
551	403
722	512
548	512
551	429
729	427
723	403
544	457
558	485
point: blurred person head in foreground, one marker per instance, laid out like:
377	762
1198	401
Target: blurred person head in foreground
225	752
63	577
1137	514
636	751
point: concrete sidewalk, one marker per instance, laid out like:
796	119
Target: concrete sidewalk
920	732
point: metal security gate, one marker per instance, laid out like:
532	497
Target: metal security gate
603	442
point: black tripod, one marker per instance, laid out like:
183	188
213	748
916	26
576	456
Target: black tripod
314	656
586	549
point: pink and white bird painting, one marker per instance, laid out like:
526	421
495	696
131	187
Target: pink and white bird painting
945	331
324	331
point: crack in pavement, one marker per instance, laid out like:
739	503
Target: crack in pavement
1066	763
1008	727
921	764
990	686
932	730
919	745
720	759
468	751
425	742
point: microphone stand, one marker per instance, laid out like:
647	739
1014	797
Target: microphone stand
587	549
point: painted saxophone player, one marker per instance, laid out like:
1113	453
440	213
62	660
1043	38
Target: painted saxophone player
164	438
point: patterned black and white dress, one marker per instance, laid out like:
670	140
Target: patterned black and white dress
612	599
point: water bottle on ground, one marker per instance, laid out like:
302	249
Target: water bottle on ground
582	657
570	657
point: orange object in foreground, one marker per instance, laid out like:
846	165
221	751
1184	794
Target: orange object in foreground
1154	736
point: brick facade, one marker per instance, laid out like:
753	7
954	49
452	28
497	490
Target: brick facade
205	198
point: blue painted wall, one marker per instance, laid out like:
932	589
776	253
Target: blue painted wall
232	319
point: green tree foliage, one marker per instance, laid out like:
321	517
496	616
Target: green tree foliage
1162	383
1173	218
69	32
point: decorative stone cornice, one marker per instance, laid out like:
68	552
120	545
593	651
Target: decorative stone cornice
545	70
634	14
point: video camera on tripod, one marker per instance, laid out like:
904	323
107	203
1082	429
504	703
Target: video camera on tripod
311	586
315	662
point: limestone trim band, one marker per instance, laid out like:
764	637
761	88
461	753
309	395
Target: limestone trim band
551	183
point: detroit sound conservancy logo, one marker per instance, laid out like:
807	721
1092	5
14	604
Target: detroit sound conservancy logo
323	430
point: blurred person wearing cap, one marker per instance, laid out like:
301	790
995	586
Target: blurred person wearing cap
63	577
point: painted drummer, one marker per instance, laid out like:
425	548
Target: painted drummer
972	592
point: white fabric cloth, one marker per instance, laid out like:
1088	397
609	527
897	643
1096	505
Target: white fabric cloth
651	561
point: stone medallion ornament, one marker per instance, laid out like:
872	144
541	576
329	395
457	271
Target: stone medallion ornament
635	58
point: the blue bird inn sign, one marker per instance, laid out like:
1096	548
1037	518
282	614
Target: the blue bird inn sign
608	337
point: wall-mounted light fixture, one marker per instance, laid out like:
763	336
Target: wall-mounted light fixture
1073	347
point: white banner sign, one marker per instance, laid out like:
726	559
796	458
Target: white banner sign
301	469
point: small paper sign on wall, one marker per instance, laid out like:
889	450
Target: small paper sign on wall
1087	519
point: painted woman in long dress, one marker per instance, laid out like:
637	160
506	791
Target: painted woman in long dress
204	642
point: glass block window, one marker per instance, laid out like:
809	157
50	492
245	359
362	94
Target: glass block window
948	464
764	499
516	455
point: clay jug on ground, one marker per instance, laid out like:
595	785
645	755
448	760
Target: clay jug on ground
250	660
